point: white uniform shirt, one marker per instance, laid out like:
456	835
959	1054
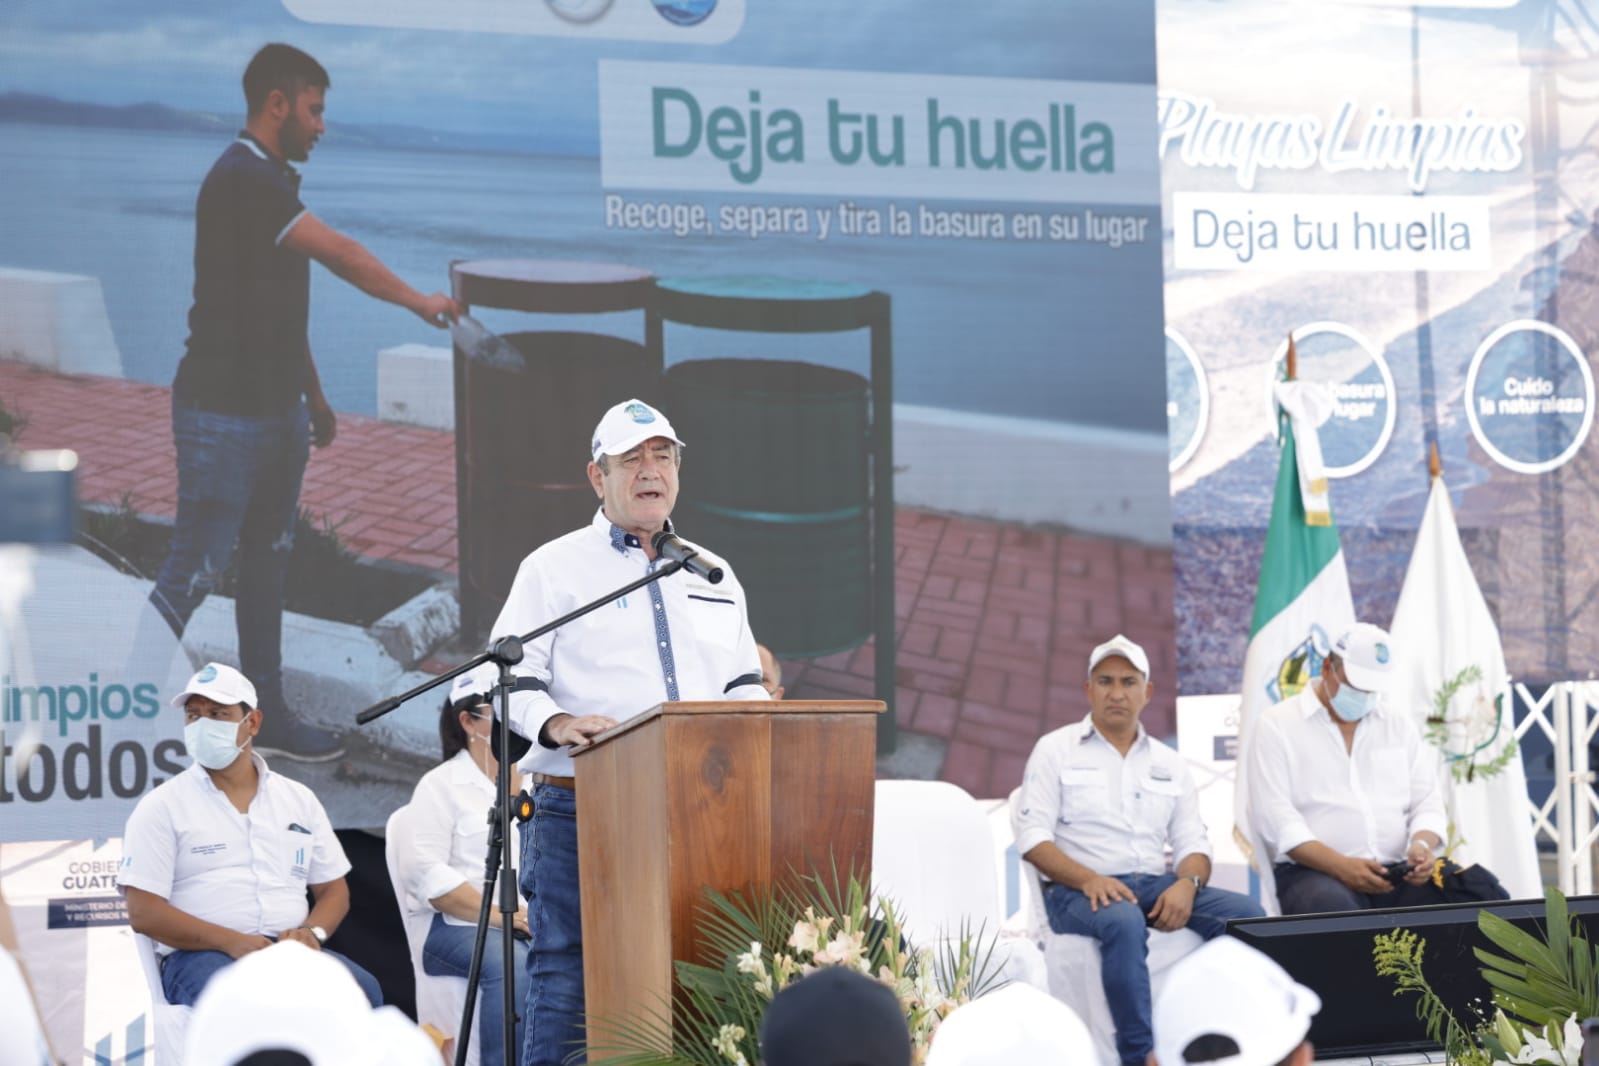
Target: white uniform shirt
1113	814
450	829
188	844
1366	802
681	638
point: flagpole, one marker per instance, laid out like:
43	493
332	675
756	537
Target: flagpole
1435	466
1293	361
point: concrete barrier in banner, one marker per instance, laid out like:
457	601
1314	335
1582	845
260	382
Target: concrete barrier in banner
56	321
1055	473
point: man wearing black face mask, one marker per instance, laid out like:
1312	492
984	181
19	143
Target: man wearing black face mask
1346	796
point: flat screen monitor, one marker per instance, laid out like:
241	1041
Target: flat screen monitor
1360	1015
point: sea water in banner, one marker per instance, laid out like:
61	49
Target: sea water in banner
991	171
1411	190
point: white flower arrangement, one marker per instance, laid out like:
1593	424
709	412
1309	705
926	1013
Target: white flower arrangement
718	1019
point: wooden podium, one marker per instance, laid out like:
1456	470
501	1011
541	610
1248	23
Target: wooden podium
721	795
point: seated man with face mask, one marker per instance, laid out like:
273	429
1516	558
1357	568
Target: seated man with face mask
1345	795
217	860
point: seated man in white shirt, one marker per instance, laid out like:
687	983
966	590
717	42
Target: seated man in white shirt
1344	794
1101	802
216	861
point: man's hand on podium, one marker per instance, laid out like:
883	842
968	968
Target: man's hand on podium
576	731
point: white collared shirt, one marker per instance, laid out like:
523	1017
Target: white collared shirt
1113	814
1366	801
685	640
449	812
246	871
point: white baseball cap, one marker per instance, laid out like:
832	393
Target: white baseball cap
221	683
292	998
1010	1026
1228	989
476	684
1120	645
1366	655
629	424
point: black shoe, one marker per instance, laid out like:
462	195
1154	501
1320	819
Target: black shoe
286	737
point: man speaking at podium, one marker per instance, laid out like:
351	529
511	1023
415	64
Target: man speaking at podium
682	638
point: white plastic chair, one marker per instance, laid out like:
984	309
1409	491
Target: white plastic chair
168	1021
1072	961
933	856
438	998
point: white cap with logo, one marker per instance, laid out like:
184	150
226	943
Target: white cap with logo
1366	656
477	684
1228	989
220	683
627	425
1120	645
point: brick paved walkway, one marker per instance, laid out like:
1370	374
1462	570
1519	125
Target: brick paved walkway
995	621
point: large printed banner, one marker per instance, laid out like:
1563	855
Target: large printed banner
1410	191
978	190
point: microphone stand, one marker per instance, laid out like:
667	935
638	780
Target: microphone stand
506	652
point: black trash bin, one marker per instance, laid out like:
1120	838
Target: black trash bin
524	437
776	480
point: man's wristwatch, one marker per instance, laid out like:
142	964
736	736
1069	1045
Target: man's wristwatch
1198	883
317	931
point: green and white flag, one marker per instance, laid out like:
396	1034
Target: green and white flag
1449	671
1302	603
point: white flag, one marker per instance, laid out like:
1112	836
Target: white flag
1441	630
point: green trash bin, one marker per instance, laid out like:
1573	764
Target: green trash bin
776	476
522	425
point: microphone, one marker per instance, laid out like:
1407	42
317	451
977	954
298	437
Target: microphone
696	562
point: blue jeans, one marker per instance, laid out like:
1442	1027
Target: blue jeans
1123	938
238	482
184	975
447	952
554	1017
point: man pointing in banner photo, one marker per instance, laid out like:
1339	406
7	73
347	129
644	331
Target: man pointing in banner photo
247	402
1346	797
218	861
681	638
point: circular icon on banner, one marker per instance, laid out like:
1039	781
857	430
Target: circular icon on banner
1354	370
1187	400
579	11
685	12
1529	396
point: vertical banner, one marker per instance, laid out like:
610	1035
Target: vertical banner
1425	233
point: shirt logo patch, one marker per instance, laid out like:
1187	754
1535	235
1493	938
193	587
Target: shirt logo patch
208	849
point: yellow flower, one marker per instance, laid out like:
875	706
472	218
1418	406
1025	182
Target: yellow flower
1438	872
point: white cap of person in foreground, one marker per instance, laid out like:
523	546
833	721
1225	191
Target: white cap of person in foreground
1229	1005
1011	1026
289	1004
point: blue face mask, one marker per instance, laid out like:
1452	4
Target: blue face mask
1352	704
